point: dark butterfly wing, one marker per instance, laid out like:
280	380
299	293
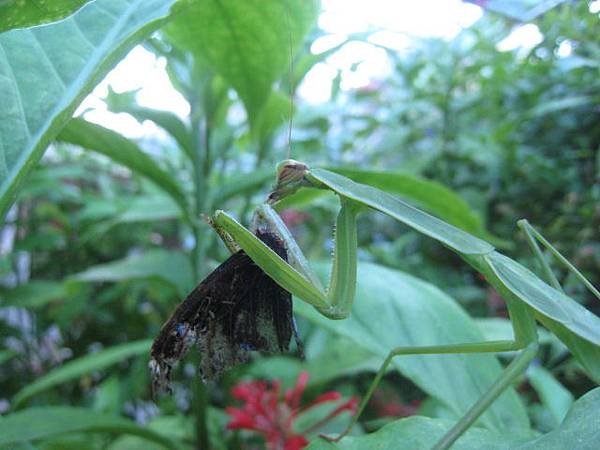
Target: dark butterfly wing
264	317
190	319
236	309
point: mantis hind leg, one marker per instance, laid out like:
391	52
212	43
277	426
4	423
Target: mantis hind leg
512	372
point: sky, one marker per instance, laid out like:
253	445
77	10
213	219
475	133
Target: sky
402	21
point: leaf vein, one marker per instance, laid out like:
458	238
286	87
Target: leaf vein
48	60
13	80
82	34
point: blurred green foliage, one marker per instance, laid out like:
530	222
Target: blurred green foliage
107	235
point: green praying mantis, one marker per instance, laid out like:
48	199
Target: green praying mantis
527	297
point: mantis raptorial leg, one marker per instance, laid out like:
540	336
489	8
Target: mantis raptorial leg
297	277
523	291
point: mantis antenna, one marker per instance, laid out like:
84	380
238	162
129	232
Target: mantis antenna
291	83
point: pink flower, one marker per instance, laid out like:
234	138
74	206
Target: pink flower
267	414
292	217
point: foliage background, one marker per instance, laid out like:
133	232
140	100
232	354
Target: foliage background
105	236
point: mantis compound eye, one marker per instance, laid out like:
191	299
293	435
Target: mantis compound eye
290	177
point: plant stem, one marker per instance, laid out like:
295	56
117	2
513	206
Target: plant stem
201	172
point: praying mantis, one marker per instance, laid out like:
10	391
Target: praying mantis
528	298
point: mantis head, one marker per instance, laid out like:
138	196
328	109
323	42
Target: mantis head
290	177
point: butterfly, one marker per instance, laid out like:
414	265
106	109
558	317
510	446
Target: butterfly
235	310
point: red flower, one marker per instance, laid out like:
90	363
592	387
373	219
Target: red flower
388	403
266	414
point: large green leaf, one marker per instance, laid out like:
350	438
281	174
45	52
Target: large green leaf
418	433
170	266
579	431
247	43
38	423
81	366
178	427
553	395
167	120
275	112
34	294
122	150
394	309
125	209
109	212
23	14
46	71
239	184
340	357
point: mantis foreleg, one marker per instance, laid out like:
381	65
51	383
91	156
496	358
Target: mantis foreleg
297	277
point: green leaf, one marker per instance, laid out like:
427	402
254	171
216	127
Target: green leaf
275	113
175	427
38	423
319	413
123	151
170	266
562	104
46	71
394	309
340	357
182	429
81	366
114	211
247	43
168	121
34	294
552	394
499	329
152	207
417	433
23	14
242	184
431	226
579	431
6	355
